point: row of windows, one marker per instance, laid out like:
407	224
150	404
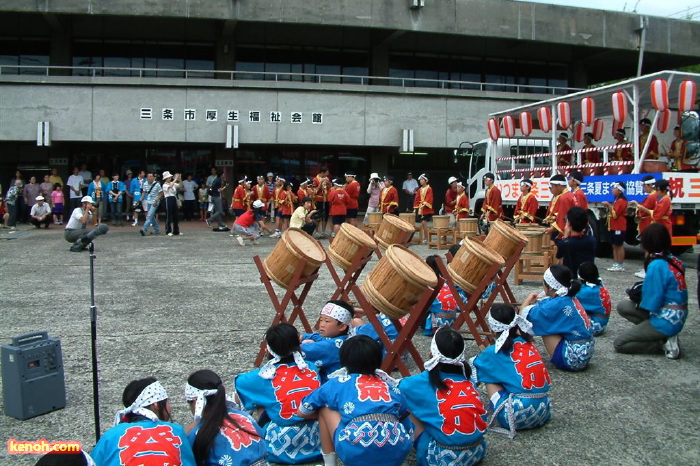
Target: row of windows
279	64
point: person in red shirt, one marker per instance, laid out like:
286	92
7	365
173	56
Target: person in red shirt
240	197
575	181
302	192
621	155
322	185
352	187
617	226
451	199
562	201
247	225
389	197
662	210
652	152
462	202
526	208
261	193
287	198
563	146
644	211
277	195
590	155
338	200
492	209
423	204
678	152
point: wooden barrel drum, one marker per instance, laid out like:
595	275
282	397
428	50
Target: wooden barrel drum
348	244
441	221
397	282
536	240
471	263
408	217
504	239
393	230
374	219
295	244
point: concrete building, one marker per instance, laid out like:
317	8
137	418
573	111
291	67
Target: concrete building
264	85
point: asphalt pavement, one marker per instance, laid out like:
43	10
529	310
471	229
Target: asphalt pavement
168	306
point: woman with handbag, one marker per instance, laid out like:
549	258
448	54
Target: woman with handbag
171	184
660	316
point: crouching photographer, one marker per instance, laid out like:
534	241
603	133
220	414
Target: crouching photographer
305	218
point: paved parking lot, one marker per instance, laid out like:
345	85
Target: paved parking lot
170	306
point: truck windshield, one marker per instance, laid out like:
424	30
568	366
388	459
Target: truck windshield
478	159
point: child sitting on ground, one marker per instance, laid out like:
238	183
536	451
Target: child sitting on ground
516	379
594	297
220	433
362	414
323	347
449	416
359	327
443	311
561	320
276	391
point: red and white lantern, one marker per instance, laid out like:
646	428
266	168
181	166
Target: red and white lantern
663	121
598	129
686	96
494	130
579	129
659	94
544	116
508	126
564	112
525	123
619	107
587	110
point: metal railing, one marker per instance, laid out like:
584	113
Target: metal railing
314	78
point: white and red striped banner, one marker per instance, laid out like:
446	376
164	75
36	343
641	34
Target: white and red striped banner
567	152
587	111
525	123
544	115
659	94
686	96
619	107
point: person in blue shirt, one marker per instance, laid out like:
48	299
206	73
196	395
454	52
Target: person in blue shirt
516	379
221	433
443	311
660	316
594	297
142	433
561	320
448	413
361	411
359	327
116	190
136	191
276	391
323	347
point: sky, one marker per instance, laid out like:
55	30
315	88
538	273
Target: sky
675	8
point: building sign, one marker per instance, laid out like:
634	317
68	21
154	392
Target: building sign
254	116
223	163
685	187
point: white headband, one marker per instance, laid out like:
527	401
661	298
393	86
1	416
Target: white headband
342	375
651	181
438	357
559	182
269	370
350	174
497	326
337	183
194	393
336	312
526	183
619	186
554	284
424	176
151	394
245	178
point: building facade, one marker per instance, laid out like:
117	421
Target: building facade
287	87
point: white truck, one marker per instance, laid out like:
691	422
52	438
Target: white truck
512	159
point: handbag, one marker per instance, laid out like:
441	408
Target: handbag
635	292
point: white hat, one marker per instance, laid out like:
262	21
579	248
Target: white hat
270	174
258	204
451	180
87	199
166	175
374	176
40	198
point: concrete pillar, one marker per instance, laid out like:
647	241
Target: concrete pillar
379	161
60	54
379	63
226	49
578	75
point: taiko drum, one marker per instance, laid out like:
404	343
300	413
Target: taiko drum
393	230
348	245
471	264
536	240
294	245
397	282
468	225
441	221
504	239
374	219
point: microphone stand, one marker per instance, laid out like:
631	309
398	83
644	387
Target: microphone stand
93	333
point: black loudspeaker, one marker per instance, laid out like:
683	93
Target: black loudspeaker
32	376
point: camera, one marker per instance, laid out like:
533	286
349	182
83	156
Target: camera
316	215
